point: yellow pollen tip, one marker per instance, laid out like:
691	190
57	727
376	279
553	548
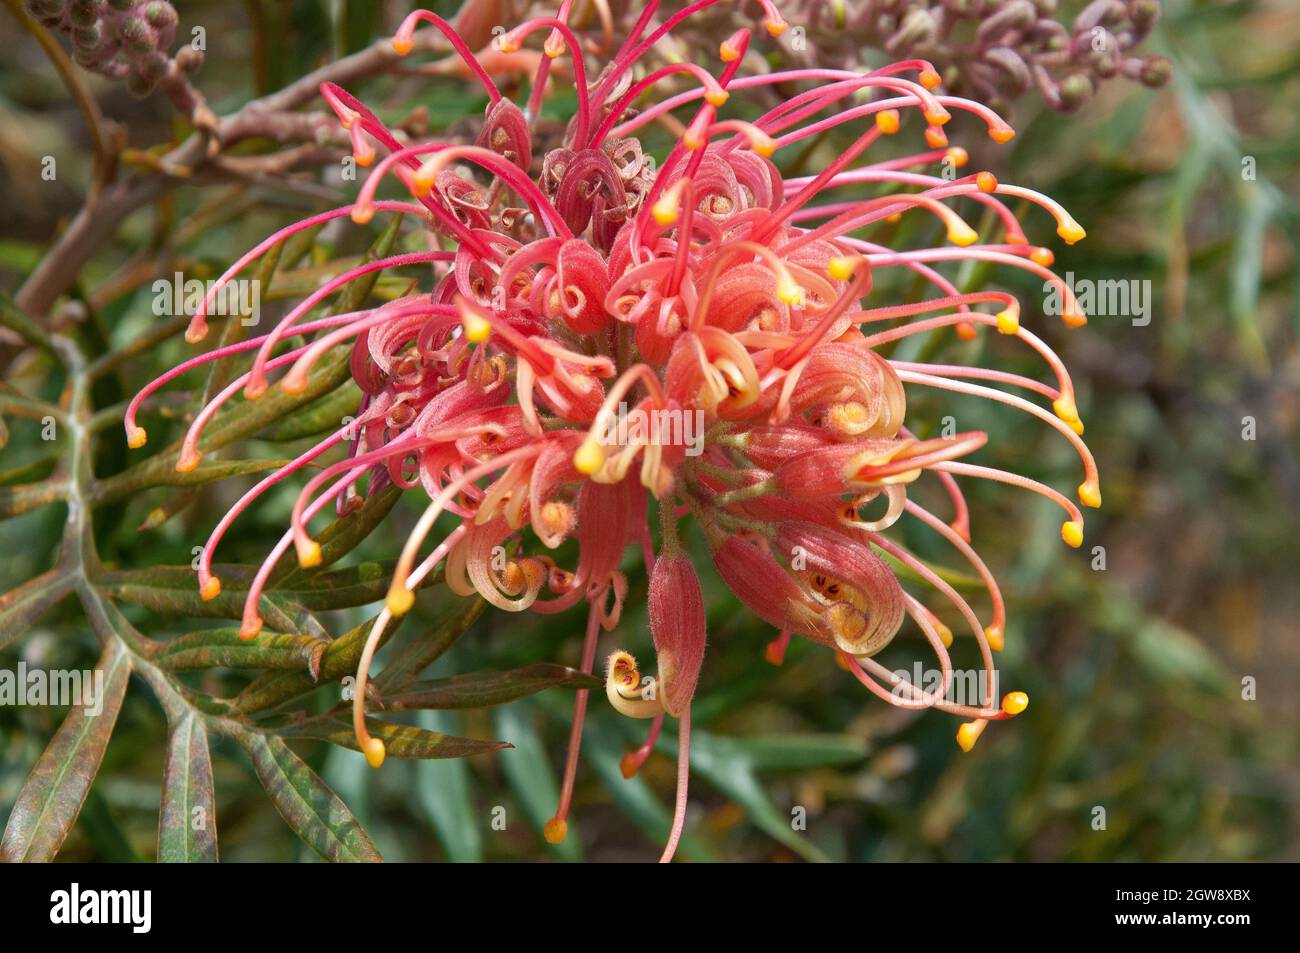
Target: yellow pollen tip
255	389
309	554
966	331
193	335
188	461
589	456
627	766
930	79
1043	256
1066	408
728	53
944	633
508	44
422	182
986	182
374	750
137	438
361	214
788	290
1074	318
1076	426
937	118
555	830
775	27
250	629
1090	494
364	158
477	328
400	599
959	233
969	733
1008	321
210	589
1015	702
764	145
692	142
554	50
1071	231
716	97
841	268
293	383
888	121
997	638
1002	133
1072	533
935	137
957	156
403	45
665	211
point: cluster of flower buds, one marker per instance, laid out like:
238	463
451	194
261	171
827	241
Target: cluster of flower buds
121	39
607	335
992	50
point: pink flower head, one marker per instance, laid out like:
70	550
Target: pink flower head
579	289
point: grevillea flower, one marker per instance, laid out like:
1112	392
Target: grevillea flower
575	289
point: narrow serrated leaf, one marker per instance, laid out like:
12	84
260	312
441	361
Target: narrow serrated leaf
308	805
224	647
51	798
401	741
341	537
187	822
20	607
340	658
442	796
482	689
132	482
420	653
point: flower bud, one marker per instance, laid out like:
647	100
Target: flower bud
677	623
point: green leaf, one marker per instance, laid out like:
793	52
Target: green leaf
324	416
20	607
603	750
442	797
132	482
420	653
341	537
308	805
242	418
1170	654
52	796
482	689
173	590
731	771
188	799
223	647
796	752
401	741
528	771
340	658
355	293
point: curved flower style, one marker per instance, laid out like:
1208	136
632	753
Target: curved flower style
589	309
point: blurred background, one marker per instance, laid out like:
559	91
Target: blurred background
1162	669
